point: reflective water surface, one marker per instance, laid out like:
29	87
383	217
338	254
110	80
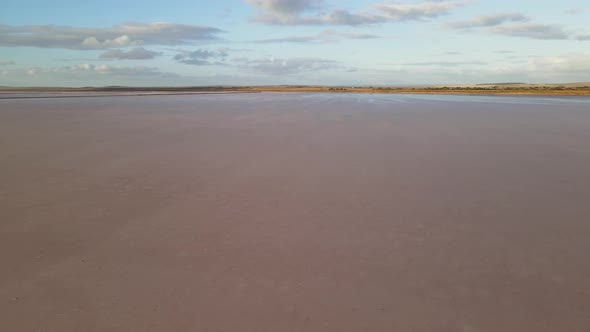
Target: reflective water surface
295	212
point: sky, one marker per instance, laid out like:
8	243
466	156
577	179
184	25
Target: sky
315	42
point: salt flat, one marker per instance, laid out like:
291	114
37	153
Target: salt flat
295	212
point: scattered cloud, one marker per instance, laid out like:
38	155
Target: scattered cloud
275	66
182	43
87	69
138	53
284	7
515	25
108	70
561	68
575	11
489	20
89	74
202	57
326	36
305	12
418	11
532	30
444	63
567	65
86	74
79	38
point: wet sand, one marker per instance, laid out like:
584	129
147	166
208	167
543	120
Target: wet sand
295	212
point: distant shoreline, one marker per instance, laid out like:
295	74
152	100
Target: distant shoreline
571	89
147	93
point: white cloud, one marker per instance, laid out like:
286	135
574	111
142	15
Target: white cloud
33	71
575	11
6	63
304	12
532	30
286	66
132	34
89	69
489	20
284	7
326	36
516	25
138	53
418	11
568	65
444	63
87	74
202	57
549	69
558	68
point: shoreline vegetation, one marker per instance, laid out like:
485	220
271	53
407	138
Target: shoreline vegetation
568	89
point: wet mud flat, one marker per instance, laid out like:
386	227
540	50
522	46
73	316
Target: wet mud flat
295	212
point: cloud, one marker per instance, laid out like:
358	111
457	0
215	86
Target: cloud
304	12
326	36
138	53
515	25
79	38
418	11
573	67
284	7
287	66
577	64
202	57
489	20
444	63
7	63
559	68
574	11
88	74
87	70
532	30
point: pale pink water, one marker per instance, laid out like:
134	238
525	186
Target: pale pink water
295	212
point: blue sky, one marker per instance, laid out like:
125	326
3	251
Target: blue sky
326	42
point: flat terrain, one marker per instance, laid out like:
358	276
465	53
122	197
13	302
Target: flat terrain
295	212
565	89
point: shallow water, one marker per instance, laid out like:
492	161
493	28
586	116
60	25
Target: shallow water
295	212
